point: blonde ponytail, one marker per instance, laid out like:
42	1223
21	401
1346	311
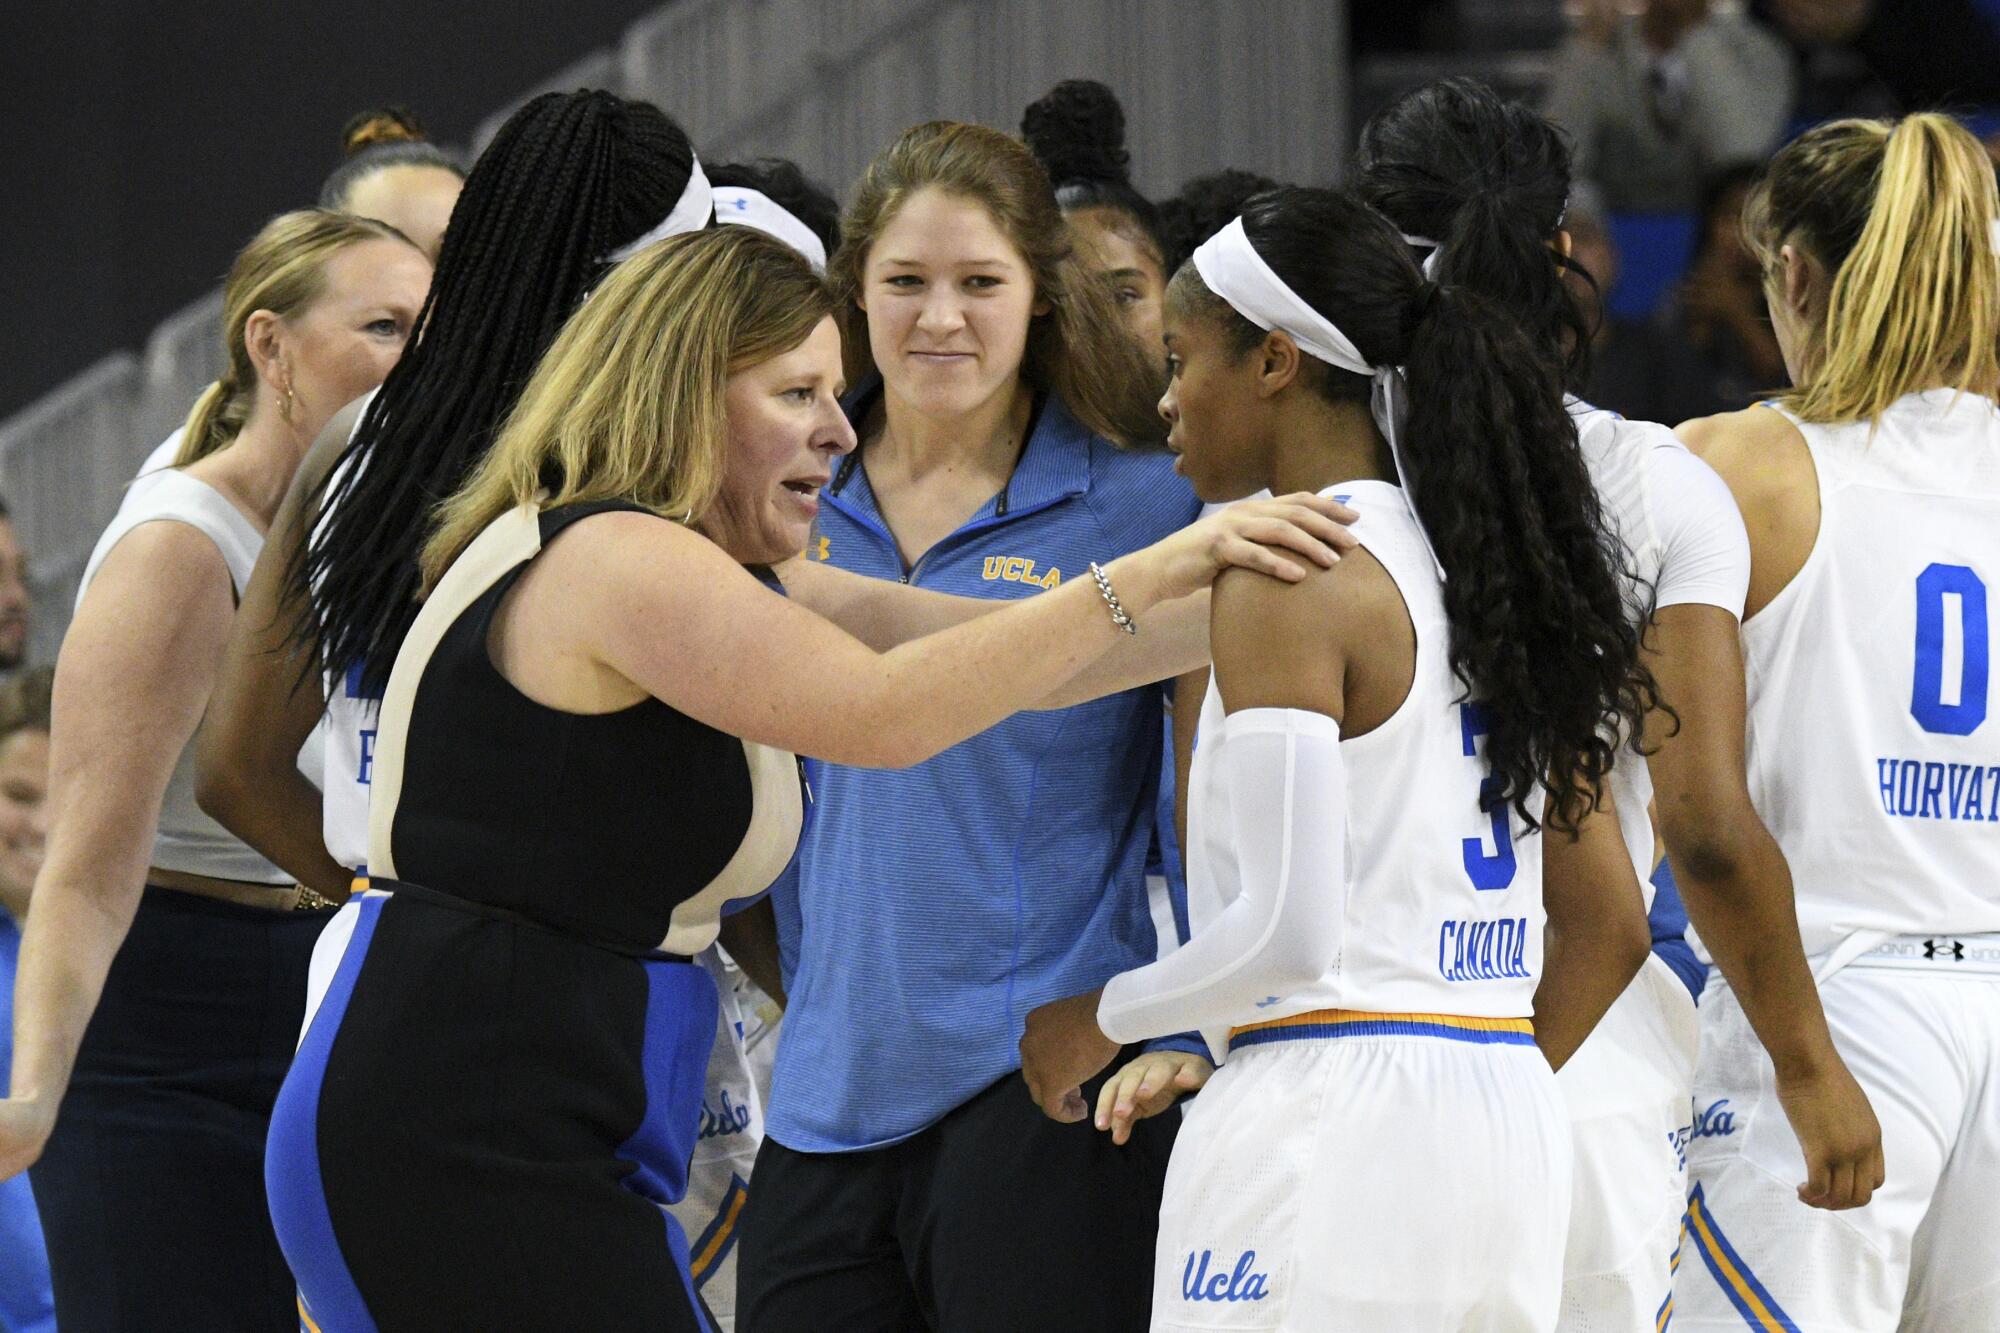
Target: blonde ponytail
217	417
282	270
1902	215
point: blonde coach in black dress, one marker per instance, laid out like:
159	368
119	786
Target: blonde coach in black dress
583	763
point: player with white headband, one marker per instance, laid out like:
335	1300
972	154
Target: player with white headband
1383	1146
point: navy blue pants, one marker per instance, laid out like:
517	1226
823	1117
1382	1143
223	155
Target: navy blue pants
152	1187
994	1220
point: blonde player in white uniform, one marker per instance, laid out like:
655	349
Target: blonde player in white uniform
1872	496
1480	185
1383	1147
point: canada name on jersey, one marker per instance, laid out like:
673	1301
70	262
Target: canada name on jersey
1484	950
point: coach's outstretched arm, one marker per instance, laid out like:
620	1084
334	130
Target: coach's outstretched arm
883	614
771	670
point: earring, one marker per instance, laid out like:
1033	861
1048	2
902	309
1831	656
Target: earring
285	407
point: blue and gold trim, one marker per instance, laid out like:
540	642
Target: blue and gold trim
1745	1292
714	1244
1665	1318
1329	1024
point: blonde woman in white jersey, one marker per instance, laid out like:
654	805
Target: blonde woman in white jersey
171	942
1872	494
1479	185
1383	1147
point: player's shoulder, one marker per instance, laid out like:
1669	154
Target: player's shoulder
1347	598
1727	436
1605	435
1756	450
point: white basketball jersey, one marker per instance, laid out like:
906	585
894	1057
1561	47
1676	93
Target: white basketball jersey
349	769
1873	755
1444	900
349	727
1684	542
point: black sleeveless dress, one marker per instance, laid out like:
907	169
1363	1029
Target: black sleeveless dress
501	1083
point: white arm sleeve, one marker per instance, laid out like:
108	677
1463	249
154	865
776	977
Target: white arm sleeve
1286	791
1704	547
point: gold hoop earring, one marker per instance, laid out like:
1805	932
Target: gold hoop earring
285	407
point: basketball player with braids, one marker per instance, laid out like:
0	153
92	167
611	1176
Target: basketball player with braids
1479	186
1872	494
1393	752
570	180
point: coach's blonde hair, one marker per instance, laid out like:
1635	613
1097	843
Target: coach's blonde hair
1079	350
627	404
282	270
1900	214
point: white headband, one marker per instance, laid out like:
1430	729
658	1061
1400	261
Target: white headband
690	212
745	207
1234	271
1436	249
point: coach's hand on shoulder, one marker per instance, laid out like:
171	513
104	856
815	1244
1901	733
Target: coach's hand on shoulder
1147	1086
1838	1133
1286	538
25	1125
1062	1048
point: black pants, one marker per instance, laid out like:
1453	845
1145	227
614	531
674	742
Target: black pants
152	1187
995	1218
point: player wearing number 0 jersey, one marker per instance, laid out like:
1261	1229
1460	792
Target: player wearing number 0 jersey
1872	494
1383	1146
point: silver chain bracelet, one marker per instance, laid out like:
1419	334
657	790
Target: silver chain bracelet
1118	616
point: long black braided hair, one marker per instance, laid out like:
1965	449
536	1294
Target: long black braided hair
569	178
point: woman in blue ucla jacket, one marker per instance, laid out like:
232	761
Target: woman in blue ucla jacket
908	1179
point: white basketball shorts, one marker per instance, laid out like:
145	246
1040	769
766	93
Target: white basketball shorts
1925	1253
1629	1089
1377	1172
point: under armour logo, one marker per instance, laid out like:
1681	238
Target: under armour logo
1954	949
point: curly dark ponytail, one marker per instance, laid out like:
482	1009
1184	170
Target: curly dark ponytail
1455	162
1532	587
